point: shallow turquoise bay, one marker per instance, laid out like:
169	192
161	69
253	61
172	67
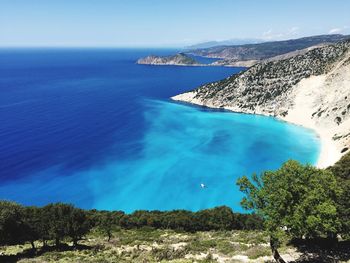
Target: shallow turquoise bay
182	147
185	146
92	128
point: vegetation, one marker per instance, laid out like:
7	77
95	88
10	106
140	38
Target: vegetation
57	222
177	59
267	49
301	201
265	87
296	204
149	245
342	171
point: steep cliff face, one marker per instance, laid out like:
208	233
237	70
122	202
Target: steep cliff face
311	89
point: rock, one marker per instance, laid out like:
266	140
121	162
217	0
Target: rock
179	59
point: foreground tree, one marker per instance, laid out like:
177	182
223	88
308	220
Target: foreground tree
107	223
64	220
342	172
11	223
56	219
32	224
298	199
78	225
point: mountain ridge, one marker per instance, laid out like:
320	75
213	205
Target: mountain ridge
246	55
229	42
266	50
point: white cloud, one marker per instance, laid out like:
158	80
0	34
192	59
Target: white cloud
338	30
335	30
271	35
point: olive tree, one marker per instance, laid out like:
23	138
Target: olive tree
11	223
299	199
341	170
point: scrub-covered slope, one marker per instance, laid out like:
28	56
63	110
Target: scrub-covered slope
311	89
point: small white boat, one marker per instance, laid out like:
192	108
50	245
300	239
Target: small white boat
203	185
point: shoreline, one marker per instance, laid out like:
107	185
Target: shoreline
329	152
194	65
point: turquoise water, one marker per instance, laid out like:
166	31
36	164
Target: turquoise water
94	129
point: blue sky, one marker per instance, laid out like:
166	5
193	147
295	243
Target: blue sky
164	23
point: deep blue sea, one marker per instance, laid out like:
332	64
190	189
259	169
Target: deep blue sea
92	128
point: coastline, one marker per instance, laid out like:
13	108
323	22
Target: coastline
172	64
329	152
192	65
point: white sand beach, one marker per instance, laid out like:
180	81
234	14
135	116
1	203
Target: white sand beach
320	103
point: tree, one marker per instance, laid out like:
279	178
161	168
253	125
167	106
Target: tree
107	223
178	220
247	221
11	223
341	170
57	217
218	218
78	225
64	220
32	224
44	225
298	198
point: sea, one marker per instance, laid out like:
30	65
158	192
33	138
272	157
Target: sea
92	128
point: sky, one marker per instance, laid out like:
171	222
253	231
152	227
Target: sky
164	23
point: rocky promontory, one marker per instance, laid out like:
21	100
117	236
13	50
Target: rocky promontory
179	59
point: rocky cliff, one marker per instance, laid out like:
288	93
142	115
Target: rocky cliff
179	59
310	89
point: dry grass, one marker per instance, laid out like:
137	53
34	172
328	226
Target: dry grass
149	245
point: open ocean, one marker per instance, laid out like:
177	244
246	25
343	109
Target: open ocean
92	128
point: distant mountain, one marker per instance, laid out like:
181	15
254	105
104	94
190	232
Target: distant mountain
230	42
179	59
266	50
247	55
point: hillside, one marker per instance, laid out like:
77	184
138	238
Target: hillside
149	245
229	42
256	52
311	89
179	59
152	245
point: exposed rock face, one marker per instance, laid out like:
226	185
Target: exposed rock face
310	89
180	59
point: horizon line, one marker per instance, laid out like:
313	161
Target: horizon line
175	46
91	47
